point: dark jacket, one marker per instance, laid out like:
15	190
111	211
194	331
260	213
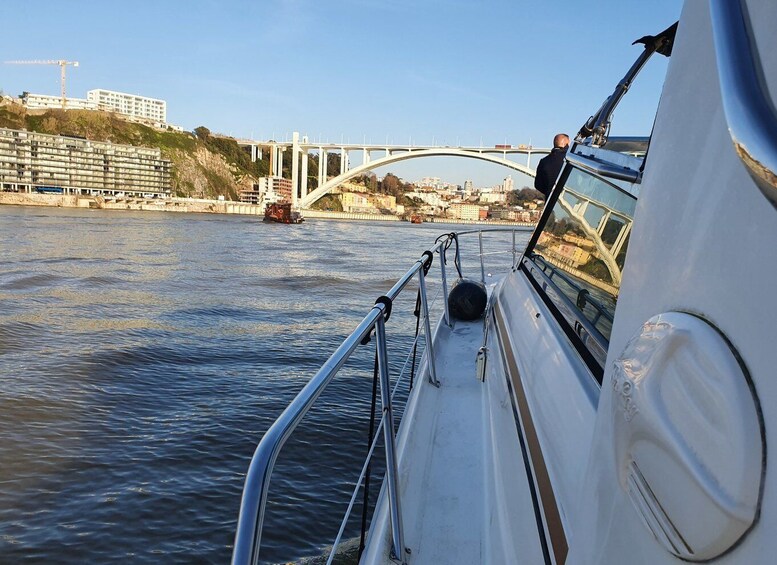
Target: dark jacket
548	169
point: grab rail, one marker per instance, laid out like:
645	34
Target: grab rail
253	503
751	121
254	499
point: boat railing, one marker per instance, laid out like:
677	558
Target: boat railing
749	112
254	500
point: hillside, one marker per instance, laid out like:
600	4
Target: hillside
204	166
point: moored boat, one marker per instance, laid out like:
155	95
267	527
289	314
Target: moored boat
282	213
613	403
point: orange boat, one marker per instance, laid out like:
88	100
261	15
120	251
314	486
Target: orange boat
282	214
416	219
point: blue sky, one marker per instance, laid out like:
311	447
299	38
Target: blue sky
418	71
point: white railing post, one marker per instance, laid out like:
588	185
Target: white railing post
482	269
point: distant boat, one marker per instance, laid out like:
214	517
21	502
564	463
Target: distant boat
416	219
282	214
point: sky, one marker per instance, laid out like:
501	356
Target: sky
453	72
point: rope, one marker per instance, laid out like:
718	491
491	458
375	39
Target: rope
366	468
370	447
417	313
452	238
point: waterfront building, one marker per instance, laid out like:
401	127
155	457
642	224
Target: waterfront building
263	192
251	195
465	211
503	214
268	190
355	202
133	105
31	162
46	102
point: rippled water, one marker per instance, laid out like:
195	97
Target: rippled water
143	355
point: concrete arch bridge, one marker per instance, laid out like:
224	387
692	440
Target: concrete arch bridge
306	200
299	149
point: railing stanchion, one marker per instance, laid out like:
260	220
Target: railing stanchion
389	440
428	327
482	269
513	248
444	286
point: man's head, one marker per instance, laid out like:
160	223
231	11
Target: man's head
560	141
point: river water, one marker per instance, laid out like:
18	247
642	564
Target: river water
143	355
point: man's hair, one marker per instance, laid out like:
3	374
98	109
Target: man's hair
561	140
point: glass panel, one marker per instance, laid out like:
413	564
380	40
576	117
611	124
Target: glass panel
582	248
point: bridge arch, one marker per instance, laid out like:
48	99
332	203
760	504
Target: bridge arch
329	185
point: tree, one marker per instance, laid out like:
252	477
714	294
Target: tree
526	194
332	164
390	184
202	133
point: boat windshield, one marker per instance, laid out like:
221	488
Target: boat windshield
579	255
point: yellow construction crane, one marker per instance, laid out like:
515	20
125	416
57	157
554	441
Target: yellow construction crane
62	66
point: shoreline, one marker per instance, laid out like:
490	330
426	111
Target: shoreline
202	206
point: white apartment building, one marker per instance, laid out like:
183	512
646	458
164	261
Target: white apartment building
268	190
46	102
464	211
493	197
140	107
508	184
58	164
431	198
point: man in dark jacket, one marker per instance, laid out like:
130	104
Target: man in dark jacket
550	166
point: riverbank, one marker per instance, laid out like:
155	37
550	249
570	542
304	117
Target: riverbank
193	205
203	206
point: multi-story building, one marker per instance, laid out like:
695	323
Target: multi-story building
139	107
493	197
355	202
31	162
508	184
385	202
46	102
465	211
252	195
429	197
268	190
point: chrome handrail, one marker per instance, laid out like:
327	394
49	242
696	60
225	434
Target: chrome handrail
751	120
254	499
603	169
253	503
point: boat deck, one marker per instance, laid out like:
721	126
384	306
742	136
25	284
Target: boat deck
450	509
454	505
